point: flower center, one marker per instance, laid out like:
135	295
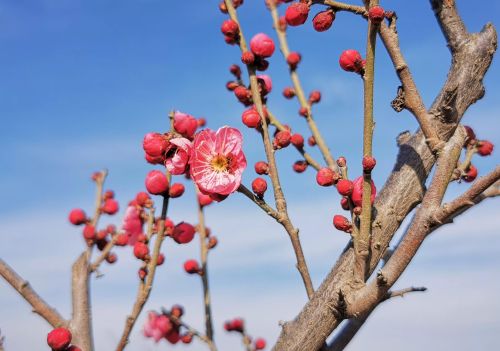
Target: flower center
220	163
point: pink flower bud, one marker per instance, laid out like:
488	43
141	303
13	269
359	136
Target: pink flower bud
260	344
248	58
59	339
183	233
341	161
357	192
259	186
351	61
288	93
121	240
156	182
297	140
342	223
311	141
326	177
300	166
185	124
111	258
191	266
323	20
110	206
293	59
141	250
77	216
176	190
142	198
267	83
485	148
262	45
471	174
282	139
155	145
344	203
89	232
345	187
296	14
251	118
204	200
235	70
314	97
230	28
261	167
187	338
376	14
368	164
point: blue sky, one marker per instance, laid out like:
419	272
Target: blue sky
83	81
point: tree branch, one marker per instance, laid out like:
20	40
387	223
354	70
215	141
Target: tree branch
23	287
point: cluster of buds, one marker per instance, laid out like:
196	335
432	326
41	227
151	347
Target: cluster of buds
59	339
481	147
238	325
231	31
166	325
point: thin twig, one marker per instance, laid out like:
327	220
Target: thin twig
403	292
307	157
107	249
145	287
209	330
23	287
279	197
325	151
259	202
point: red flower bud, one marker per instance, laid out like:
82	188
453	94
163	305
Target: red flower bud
89	232
251	118
141	250
160	260
376	14
357	192
351	61
187	338
485	148
231	85
202	121
242	94
342	223
259	186
297	140
303	111
282	24
288	93
323	20
262	45
183	233
142	198
260	344
111	258
59	339
314	97
121	240
296	14
471	174
191	266
368	164
235	70
156	182
212	242
261	167
204	200
143	272
300	166
293	59
471	136
344	203
311	141
176	190
248	58
110	206
344	187
155	144
109	194
326	177
185	124
230	28
177	311
77	216
282	139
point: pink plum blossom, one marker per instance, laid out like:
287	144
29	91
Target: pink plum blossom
179	161
217	161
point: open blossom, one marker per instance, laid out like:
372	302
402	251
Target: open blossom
179	161
217	161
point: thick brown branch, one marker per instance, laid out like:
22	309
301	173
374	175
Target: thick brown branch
81	320
24	288
401	193
450	22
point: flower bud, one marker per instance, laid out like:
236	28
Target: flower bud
323	20
261	167
141	250
376	14
176	190
77	216
485	148
326	177
351	61
300	166
191	267
296	14
262	45
156	182
344	187
59	339
259	186
342	223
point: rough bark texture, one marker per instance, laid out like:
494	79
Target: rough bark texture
472	55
